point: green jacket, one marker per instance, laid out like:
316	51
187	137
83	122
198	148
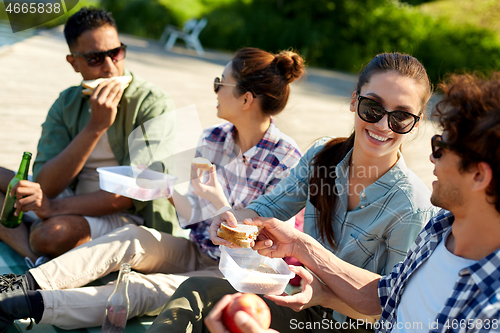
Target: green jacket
141	101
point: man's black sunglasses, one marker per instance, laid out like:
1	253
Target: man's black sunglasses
372	111
438	145
95	59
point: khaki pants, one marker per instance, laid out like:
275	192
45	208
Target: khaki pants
161	263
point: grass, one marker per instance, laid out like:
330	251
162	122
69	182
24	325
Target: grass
481	13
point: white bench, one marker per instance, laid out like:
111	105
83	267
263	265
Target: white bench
189	33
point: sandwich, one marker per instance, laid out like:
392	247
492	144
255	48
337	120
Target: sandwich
90	85
242	235
202	163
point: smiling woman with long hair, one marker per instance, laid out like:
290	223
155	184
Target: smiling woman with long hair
360	199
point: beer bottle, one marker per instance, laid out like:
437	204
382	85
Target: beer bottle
8	219
117	307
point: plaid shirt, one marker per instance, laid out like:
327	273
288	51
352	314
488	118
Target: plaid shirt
473	305
376	234
243	177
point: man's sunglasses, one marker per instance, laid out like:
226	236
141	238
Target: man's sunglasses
218	83
438	145
95	59
372	111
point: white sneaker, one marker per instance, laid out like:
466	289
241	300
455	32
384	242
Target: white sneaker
40	261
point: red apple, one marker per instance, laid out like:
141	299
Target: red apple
251	304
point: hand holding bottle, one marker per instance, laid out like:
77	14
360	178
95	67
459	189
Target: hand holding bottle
8	217
31	197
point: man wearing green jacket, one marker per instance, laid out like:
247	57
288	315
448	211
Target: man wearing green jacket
82	133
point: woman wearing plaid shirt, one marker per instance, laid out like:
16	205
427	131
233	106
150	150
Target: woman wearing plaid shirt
361	201
249	155
252	155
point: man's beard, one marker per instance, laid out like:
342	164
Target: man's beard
446	196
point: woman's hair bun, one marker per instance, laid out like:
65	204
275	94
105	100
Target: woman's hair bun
290	65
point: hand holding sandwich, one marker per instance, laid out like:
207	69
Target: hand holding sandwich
276	239
104	104
230	218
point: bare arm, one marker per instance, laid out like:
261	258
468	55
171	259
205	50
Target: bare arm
57	173
355	286
181	204
92	204
211	191
345	309
315	292
30	197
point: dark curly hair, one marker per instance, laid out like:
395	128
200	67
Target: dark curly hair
86	19
469	113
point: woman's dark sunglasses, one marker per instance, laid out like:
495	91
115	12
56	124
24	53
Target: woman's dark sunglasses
371	111
95	59
218	83
438	145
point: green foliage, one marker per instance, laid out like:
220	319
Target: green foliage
415	2
457	49
64	18
345	34
480	13
340	34
149	18
140	18
186	9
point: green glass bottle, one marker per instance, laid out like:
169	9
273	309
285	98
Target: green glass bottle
8	218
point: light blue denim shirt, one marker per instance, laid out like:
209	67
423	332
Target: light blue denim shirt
377	233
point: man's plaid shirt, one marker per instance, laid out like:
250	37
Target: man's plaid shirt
243	176
474	303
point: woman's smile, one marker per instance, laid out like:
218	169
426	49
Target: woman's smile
376	137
